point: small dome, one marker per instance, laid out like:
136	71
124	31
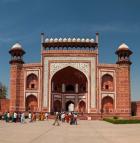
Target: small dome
47	40
92	40
78	40
16	46
73	40
65	40
60	39
82	40
123	46
51	40
69	40
87	40
55	40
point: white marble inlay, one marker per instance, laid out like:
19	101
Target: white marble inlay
107	94
70	97
82	66
32	72
31	93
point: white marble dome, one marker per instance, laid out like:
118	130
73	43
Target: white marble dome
65	40
73	40
123	46
51	40
55	40
60	40
16	46
47	40
78	40
92	40
69	40
87	40
82	40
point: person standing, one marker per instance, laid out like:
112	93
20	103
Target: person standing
5	116
75	118
67	118
15	117
46	116
8	117
23	117
63	117
30	117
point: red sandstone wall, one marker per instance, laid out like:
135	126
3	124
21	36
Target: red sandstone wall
123	101
16	88
4	105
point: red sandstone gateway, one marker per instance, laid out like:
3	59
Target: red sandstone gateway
69	73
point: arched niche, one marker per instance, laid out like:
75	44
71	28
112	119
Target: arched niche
32	82
107	104
31	103
107	83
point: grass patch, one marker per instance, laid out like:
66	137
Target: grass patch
122	121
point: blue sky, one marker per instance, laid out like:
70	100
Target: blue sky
117	21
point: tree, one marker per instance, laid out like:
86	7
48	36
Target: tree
3	91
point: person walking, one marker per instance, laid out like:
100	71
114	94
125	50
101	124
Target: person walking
56	119
23	117
75	118
63	117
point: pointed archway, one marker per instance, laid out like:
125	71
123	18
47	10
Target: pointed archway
66	85
107	104
31	103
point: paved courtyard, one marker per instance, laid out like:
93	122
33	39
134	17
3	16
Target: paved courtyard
84	132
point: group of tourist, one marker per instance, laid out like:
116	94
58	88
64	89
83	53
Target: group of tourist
21	117
70	118
64	117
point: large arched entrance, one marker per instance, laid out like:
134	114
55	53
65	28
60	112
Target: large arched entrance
31	103
68	84
107	104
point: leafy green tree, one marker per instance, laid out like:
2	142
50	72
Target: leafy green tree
3	91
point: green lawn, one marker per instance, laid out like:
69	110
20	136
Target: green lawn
122	121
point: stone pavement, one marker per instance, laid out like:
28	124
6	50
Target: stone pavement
84	132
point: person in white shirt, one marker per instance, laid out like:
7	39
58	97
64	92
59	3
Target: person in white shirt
8	117
63	117
30	117
23	117
15	117
46	116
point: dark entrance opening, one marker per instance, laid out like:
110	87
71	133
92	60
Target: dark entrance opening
67	105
